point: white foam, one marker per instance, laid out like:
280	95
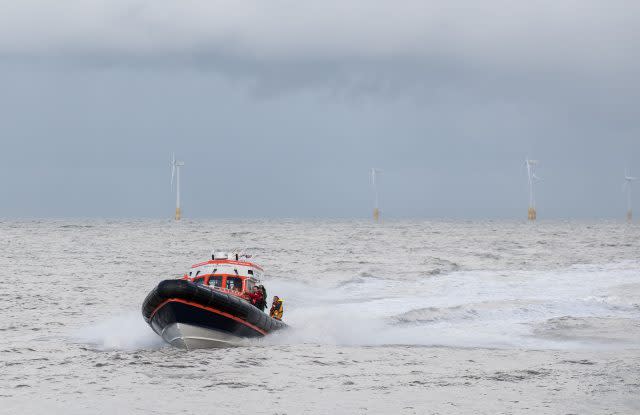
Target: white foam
468	309
126	331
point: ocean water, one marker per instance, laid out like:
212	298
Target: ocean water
397	317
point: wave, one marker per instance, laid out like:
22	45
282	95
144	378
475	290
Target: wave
432	314
601	330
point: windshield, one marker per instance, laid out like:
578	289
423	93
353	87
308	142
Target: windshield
234	283
215	281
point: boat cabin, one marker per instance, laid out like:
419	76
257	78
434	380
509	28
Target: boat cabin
226	272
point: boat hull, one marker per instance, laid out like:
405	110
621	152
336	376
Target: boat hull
190	316
190	326
186	336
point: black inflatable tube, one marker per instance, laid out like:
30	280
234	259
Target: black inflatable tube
206	297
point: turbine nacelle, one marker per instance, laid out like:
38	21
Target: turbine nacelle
530	169
626	186
374	172
628	180
174	164
627	175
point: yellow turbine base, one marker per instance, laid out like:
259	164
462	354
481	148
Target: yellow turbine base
178	214
376	214
532	215
629	216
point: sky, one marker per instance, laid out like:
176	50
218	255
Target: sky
280	109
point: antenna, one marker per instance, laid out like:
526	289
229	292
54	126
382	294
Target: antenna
376	207
532	213
628	181
175	171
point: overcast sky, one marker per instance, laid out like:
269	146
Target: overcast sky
280	109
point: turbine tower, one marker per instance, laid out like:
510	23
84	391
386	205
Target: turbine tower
175	171
376	207
628	180
532	214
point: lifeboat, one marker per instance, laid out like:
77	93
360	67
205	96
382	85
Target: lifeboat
209	306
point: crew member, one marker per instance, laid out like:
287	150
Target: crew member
262	304
276	308
256	298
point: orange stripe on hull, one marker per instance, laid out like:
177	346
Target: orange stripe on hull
213	310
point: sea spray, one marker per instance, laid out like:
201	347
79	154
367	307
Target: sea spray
125	331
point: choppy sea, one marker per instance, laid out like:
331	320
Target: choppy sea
398	317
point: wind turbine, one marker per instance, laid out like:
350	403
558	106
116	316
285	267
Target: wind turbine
532	214
376	207
175	171
628	180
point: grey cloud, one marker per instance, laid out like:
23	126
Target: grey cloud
447	98
584	34
413	48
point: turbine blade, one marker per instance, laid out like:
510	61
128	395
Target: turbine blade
173	167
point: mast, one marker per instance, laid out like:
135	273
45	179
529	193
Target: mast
628	182
376	201
178	213
175	171
531	213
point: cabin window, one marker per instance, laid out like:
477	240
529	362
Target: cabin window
234	283
215	281
250	272
199	281
250	285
